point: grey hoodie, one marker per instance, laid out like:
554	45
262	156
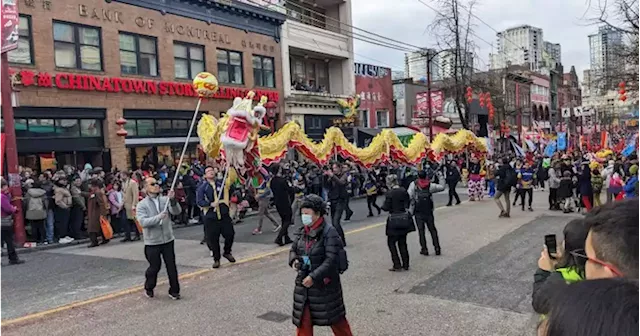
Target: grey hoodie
156	230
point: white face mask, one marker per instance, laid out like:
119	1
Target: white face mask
307	219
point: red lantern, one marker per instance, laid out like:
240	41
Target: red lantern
121	121
481	99
121	131
623	98
469	95
621	85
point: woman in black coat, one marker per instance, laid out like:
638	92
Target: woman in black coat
399	223
317	296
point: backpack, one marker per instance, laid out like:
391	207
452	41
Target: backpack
423	199
343	261
511	178
36	204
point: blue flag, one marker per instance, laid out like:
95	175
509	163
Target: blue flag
550	149
631	145
562	141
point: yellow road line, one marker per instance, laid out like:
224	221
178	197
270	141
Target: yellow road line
131	290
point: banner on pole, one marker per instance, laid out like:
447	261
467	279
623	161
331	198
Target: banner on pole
10	24
2	151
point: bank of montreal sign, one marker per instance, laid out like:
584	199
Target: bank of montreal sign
82	82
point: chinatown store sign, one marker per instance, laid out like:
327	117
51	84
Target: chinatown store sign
81	82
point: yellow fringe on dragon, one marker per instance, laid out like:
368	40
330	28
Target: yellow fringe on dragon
384	146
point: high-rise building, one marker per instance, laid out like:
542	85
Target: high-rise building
415	65
553	50
442	64
518	46
604	57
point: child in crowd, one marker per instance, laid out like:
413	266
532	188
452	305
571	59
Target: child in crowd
181	197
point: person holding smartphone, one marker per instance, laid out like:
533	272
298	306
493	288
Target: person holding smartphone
557	265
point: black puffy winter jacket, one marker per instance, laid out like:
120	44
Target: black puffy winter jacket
325	296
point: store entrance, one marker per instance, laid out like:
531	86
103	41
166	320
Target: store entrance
141	157
39	162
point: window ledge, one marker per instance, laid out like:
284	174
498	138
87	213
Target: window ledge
318	94
80	71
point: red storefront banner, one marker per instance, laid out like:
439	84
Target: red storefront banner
3	139
375	87
422	104
81	82
10	23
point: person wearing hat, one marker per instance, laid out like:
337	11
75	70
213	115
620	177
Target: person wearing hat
315	255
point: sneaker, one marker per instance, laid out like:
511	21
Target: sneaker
347	220
256	232
193	221
174	296
424	252
216	264
16	262
229	257
277	228
438	252
530	209
148	293
64	240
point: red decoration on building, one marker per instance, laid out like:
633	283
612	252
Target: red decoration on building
469	95
622	91
481	99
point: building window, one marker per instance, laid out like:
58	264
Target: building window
90	128
189	60
263	71
76	46
138	55
315	123
57	128
309	74
363	116
382	118
24	53
157	127
230	66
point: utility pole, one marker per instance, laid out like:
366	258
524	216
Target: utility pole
429	99
11	152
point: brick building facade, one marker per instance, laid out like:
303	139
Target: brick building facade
82	65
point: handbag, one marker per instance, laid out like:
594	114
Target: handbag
106	228
7	222
402	221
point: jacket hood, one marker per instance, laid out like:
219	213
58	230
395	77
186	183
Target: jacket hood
36	192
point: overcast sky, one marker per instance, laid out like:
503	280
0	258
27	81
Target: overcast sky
406	20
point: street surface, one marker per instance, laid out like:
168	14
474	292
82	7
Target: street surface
481	284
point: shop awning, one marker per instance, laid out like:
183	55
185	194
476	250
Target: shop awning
158	141
403	131
370	131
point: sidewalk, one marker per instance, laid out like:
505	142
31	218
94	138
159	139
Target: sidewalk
462	191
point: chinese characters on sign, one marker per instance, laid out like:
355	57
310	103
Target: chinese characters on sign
371	96
422	104
209	35
46	4
80	82
10	23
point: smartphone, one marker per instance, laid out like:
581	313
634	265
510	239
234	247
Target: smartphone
550	242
